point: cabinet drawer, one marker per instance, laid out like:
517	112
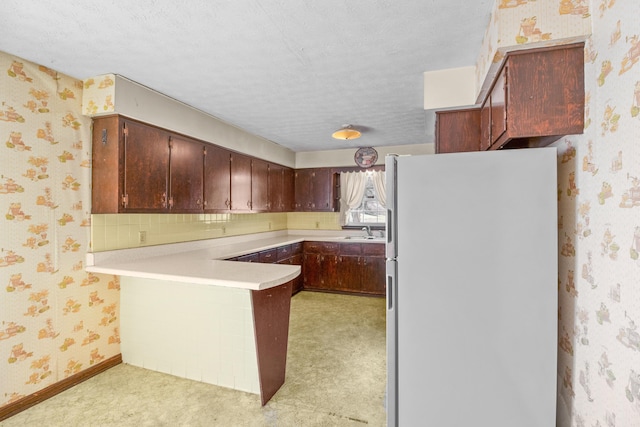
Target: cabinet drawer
350	248
268	256
373	249
254	257
283	252
321	247
296	248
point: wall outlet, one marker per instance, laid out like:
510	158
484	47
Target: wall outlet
317	224
142	237
269	225
224	230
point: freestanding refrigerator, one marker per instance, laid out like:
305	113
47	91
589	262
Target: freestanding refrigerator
472	289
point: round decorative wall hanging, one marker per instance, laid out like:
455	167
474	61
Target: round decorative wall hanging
366	157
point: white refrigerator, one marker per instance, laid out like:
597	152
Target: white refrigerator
472	289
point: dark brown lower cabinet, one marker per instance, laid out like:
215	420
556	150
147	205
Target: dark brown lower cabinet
355	268
286	254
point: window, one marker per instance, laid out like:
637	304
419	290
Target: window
370	211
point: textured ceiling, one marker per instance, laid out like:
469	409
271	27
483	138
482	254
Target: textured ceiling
290	71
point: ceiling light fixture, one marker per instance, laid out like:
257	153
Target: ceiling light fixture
347	132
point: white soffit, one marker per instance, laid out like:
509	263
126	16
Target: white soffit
450	88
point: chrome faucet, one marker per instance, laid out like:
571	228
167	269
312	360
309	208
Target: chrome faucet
367	229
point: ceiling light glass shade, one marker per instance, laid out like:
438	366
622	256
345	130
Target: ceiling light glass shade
347	132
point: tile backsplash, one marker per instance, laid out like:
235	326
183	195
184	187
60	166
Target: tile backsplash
121	231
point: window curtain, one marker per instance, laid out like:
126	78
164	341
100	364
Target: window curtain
379	185
352	186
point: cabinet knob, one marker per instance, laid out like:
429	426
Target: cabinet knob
198	202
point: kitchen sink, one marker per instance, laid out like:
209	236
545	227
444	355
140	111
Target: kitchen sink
364	238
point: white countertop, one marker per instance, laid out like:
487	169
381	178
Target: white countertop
202	261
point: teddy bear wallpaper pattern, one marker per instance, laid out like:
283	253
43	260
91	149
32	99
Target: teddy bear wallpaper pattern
598	203
516	23
599	231
55	319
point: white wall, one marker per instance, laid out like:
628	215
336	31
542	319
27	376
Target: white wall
139	102
314	159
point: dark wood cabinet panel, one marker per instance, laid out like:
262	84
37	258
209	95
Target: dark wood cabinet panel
276	188
536	97
217	179
347	267
253	257
498	109
106	192
268	256
130	167
543	96
145	168
373	277
284	252
186	175
142	168
314	190
350	274
298	282
458	130
288	190
356	268
485	125
323	183
240	182
259	185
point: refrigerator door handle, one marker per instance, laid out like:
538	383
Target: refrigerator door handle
392	343
391	188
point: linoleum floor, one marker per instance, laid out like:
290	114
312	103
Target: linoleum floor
336	376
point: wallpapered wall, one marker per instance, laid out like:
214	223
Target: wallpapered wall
599	209
55	319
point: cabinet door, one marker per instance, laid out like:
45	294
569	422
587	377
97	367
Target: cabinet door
288	190
276	188
373	275
240	182
303	189
146	168
312	266
498	106
186	175
485	125
349	273
217	179
322	190
329	268
298	282
259	185
107	193
458	130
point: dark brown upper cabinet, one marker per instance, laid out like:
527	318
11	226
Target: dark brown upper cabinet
457	130
140	168
289	184
276	188
259	185
240	182
536	97
315	190
186	187
130	170
217	179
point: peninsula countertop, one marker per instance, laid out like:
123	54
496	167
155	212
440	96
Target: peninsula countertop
203	261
